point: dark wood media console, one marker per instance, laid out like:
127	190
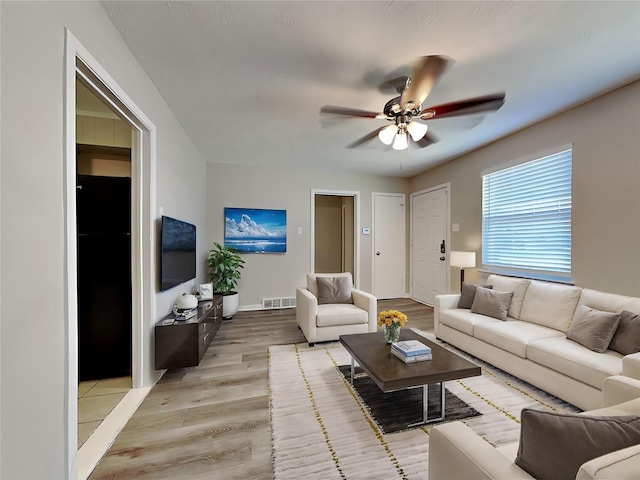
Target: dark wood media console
183	344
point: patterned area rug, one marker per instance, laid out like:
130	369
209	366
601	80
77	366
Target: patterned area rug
396	411
321	429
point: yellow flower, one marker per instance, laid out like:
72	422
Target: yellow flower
390	317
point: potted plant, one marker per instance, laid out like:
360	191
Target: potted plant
224	273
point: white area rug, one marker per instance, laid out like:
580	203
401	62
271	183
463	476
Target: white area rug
321	429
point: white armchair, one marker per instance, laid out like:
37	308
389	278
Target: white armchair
330	307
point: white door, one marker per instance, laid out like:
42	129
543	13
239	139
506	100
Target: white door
389	240
429	227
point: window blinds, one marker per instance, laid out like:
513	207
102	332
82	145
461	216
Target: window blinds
526	216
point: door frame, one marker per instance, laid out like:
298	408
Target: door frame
403	196
356	228
447	188
79	62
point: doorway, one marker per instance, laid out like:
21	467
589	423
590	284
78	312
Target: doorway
429	244
79	63
334	226
103	225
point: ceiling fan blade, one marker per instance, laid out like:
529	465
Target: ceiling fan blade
488	103
424	76
427	140
366	138
350	112
394	85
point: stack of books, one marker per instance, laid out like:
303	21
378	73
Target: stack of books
184	315
411	351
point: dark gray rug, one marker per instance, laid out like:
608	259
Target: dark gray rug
395	411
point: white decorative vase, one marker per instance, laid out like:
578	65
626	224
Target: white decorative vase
186	302
230	304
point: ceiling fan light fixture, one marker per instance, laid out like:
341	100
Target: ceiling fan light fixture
400	142
387	134
417	130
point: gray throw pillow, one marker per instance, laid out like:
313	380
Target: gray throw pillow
468	294
555	445
334	290
593	329
626	340
491	303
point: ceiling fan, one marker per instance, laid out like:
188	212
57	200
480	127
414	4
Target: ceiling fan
405	111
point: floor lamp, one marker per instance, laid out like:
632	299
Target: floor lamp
462	260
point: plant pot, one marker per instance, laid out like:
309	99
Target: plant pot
230	304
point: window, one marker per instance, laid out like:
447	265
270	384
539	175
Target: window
526	218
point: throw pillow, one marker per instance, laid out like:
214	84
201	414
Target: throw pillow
592	328
334	290
468	293
626	340
555	445
491	303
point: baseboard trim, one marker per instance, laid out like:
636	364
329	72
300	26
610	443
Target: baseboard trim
92	451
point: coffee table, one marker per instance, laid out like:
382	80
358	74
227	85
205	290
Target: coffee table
372	352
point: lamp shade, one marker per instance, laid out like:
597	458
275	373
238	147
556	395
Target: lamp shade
387	134
400	142
463	259
417	130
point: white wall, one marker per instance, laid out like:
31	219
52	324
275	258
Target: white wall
606	177
33	313
277	275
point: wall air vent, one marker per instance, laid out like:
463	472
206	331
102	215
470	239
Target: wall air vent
278	302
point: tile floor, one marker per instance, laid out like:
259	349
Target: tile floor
96	399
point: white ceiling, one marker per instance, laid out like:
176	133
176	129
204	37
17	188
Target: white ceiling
247	79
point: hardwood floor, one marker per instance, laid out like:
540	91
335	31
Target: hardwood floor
212	421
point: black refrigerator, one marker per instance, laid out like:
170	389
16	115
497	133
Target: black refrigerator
104	276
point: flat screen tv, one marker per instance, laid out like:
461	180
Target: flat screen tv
178	243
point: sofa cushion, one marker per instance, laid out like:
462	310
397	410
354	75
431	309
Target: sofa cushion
491	303
463	320
340	314
554	445
550	304
626	339
628	407
334	290
593	329
468	294
512	336
312	280
574	360
509	284
622	464
609	302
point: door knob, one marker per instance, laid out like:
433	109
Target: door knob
442	259
377	253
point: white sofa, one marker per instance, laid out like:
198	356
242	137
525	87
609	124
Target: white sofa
458	453
323	322
532	345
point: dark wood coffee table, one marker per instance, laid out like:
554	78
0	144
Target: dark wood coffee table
372	352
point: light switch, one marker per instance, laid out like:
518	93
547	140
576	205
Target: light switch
366	231
455	227
299	230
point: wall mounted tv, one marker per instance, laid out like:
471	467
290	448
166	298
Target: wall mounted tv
178	244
